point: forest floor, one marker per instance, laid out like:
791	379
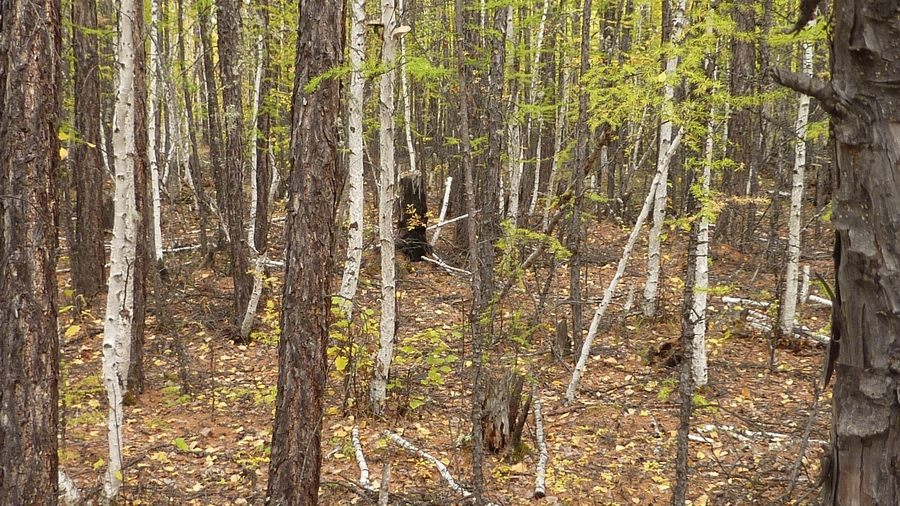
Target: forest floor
200	433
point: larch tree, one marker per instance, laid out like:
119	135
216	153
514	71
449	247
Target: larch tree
864	353
87	253
315	180
230	44
30	73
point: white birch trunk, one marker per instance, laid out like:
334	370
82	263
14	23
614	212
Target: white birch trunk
253	303
437	230
701	272
533	98
152	117
386	213
651	289
789	301
120	299
620	270
699	363
514	148
404	94
557	144
355	190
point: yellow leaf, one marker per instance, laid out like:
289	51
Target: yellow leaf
702	500
340	363
72	330
63	153
63	136
662	77
90	144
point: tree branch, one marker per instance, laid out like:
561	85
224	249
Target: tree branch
808	85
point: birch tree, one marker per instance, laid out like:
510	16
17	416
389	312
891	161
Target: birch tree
355	188
386	209
789	298
118	321
651	289
30	83
153	115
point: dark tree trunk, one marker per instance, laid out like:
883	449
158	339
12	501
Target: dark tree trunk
87	252
413	218
194	162
734	220
576	231
264	119
30	70
228	13
142	205
864	102
214	129
315	181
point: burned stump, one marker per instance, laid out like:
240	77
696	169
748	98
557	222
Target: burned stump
413	218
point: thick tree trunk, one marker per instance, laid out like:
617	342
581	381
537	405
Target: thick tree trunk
294	467
865	106
87	253
30	70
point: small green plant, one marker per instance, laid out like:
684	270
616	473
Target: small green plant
665	389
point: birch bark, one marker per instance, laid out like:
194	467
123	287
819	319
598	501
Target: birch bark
651	289
355	185
386	211
120	299
789	299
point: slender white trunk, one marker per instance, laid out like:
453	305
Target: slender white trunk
699	363
651	289
620	270
701	271
152	117
532	99
120	299
385	213
514	148
437	231
789	301
355	189
557	144
256	259
404	93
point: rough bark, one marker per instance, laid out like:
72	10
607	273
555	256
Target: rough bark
865	105
294	467
230	45
30	70
87	252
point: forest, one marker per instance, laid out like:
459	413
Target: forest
449	252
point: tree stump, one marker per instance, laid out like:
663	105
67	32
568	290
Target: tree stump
413	218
